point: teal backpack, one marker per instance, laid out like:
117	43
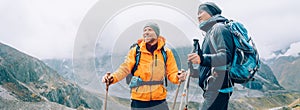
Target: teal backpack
137	60
246	60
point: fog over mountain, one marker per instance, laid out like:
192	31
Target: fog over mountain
42	31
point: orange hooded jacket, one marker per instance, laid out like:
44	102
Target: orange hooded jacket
151	68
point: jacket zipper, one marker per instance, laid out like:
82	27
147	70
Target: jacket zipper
137	89
152	72
155	60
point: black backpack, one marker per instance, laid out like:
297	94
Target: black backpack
137	60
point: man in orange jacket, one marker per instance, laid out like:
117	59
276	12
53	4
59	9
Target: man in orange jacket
151	68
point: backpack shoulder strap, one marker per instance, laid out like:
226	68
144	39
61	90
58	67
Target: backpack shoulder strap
137	58
164	54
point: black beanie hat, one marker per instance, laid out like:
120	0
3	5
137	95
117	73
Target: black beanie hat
210	7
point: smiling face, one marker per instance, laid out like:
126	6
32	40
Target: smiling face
150	36
203	16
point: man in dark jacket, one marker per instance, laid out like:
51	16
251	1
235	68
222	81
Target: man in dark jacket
217	53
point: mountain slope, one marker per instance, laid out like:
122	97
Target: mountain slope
265	78
16	105
28	79
286	69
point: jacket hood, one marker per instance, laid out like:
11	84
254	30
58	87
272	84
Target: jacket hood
211	22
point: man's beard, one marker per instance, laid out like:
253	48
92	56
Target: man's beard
149	40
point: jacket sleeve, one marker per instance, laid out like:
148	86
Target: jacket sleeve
126	67
224	43
171	67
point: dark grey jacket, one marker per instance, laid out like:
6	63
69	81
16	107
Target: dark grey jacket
215	30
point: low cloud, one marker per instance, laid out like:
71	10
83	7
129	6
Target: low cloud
47	28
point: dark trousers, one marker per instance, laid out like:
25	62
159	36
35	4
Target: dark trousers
149	105
214	100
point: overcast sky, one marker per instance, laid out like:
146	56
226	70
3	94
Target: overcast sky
47	28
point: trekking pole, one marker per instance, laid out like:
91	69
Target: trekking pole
185	90
173	107
187	81
106	92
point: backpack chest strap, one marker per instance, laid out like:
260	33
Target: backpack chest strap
222	68
152	82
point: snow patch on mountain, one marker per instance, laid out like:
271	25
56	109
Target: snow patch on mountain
292	50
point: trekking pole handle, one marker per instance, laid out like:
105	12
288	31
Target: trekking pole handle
179	73
196	49
196	45
107	81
